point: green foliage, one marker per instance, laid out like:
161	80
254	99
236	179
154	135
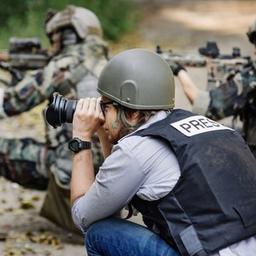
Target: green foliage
26	18
116	16
7	9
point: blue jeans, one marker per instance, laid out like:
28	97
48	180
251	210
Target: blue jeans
115	237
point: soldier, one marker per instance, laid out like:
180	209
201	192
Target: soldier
192	178
80	54
236	97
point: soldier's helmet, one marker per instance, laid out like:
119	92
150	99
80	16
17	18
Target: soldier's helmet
252	33
138	79
82	20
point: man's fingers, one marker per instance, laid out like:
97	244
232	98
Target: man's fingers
81	108
79	105
98	109
86	104
89	108
92	105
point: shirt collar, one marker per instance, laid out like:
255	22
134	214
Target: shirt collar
155	118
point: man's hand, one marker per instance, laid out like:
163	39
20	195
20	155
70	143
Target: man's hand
4	56
88	118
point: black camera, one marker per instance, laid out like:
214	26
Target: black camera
60	110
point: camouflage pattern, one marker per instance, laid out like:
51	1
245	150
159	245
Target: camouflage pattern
220	69
5	77
80	65
237	97
26	161
82	20
20	161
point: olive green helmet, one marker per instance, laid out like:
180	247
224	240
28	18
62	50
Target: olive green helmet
252	33
138	79
82	20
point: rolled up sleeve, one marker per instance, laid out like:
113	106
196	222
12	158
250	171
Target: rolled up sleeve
201	103
117	181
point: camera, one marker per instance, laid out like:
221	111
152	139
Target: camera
60	110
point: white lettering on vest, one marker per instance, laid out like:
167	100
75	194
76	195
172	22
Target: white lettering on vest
197	124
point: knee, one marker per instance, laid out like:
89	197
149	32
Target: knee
99	229
107	237
95	236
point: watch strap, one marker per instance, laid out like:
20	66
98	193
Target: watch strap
83	144
76	145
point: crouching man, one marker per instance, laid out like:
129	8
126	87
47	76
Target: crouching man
193	180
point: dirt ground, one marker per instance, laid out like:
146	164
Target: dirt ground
179	25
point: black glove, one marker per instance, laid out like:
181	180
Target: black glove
176	67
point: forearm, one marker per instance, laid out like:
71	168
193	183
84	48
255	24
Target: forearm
82	174
188	86
120	176
86	122
13	105
25	95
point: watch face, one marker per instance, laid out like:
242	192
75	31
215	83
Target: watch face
74	145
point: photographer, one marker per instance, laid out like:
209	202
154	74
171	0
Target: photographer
169	164
236	97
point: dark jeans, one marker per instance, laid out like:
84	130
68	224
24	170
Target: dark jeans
115	237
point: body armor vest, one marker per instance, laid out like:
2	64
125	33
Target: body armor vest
213	204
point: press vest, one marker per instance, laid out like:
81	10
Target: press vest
213	204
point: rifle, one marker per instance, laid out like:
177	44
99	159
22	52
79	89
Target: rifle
221	67
23	54
26	53
188	59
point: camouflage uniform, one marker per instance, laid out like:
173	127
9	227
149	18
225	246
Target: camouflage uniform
236	97
18	157
31	163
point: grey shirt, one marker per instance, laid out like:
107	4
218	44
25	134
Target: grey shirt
137	165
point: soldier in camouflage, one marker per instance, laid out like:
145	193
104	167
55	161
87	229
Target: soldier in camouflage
80	54
236	97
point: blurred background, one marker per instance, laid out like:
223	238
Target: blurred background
172	23
180	25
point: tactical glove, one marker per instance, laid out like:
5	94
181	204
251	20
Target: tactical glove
176	67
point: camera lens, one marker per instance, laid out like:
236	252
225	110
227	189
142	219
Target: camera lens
60	110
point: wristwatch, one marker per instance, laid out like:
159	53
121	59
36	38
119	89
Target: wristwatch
76	145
